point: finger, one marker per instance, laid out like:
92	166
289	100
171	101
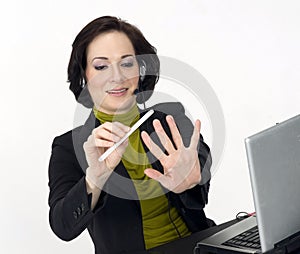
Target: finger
118	153
108	133
92	142
157	176
196	135
152	173
103	143
153	148
163	137
105	136
164	180
115	128
120	127
121	148
174	131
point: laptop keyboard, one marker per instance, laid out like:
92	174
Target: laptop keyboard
247	239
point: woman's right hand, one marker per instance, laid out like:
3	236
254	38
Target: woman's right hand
101	138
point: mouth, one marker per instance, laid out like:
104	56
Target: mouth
117	91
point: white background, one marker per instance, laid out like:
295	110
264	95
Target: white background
247	50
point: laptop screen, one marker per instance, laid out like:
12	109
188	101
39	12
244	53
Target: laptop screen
274	164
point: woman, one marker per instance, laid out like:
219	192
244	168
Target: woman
148	191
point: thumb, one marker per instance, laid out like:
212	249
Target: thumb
156	175
152	173
121	149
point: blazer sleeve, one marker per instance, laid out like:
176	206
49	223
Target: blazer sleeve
70	204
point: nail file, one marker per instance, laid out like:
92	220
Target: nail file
133	129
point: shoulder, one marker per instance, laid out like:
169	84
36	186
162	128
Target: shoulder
76	135
68	148
63	141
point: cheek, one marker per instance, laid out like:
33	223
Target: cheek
89	74
133	78
97	94
95	83
94	79
133	82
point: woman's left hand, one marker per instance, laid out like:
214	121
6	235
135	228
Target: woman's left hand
181	164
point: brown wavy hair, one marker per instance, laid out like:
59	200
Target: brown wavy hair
78	59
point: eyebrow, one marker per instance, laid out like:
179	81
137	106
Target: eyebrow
106	58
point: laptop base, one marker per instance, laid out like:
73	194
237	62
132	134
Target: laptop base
209	245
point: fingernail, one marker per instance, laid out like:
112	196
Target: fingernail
170	117
145	136
155	121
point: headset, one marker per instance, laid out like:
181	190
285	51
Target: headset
142	71
139	90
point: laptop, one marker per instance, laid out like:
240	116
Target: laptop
274	165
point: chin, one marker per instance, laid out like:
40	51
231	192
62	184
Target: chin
118	107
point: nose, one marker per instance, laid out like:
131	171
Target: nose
116	75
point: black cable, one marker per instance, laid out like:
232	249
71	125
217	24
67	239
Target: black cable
170	217
242	215
144	103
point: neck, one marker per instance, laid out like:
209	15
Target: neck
128	118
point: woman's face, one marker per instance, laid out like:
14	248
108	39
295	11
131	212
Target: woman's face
112	72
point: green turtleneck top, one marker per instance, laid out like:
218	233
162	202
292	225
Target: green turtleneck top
158	228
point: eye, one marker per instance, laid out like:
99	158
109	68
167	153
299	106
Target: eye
127	64
100	67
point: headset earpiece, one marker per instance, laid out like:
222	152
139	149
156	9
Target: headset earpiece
142	70
139	91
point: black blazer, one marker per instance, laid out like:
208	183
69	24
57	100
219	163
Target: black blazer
115	224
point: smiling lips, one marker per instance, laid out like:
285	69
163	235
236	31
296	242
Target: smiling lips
117	92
